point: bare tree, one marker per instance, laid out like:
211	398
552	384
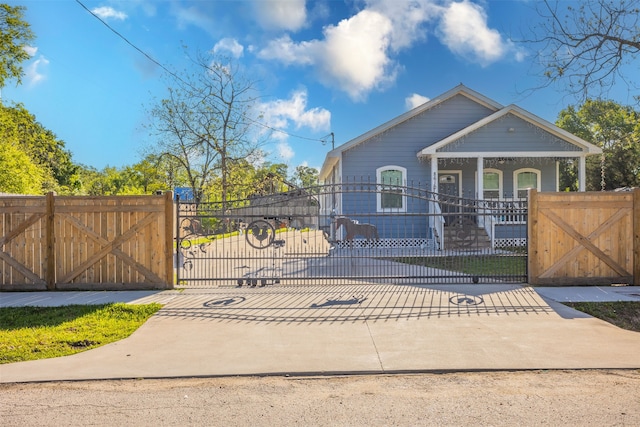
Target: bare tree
206	123
588	44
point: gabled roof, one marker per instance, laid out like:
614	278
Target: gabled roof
333	156
586	147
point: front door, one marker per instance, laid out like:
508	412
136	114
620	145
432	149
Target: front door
449	194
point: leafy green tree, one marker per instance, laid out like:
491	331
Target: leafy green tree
113	181
305	176
18	173
271	178
58	172
15	35
246	180
241	181
146	176
87	177
616	129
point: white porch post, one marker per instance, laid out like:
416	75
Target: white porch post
480	189
434	174
480	180
434	188
582	173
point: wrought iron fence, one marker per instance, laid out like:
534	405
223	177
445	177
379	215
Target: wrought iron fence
353	232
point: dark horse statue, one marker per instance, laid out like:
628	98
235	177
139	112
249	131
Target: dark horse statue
354	228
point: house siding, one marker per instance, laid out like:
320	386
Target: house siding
496	136
400	144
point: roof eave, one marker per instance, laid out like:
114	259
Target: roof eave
330	161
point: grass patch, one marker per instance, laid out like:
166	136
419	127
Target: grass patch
30	333
474	265
624	314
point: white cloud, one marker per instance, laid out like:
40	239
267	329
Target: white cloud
285	151
408	19
106	12
352	56
288	15
229	45
414	100
288	52
34	73
464	30
356	55
30	50
187	16
281	113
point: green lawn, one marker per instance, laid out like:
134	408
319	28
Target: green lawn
474	265
624	314
29	333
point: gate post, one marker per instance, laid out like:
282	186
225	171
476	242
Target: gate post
176	251
168	231
50	273
532	237
636	236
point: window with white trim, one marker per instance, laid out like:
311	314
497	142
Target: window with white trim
525	179
491	184
390	195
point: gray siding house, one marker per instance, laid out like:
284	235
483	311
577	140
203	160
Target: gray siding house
461	144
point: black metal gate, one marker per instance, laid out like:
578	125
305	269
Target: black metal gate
351	233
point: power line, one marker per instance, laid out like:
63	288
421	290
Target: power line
177	77
128	42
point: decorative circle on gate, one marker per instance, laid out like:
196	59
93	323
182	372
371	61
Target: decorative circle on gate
465	232
466	300
224	302
260	234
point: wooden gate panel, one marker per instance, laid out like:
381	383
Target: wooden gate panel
581	238
22	243
122	240
119	242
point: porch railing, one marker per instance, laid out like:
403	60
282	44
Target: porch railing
488	214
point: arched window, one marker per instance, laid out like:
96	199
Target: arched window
492	184
524	179
390	195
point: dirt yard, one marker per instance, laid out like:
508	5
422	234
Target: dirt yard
572	398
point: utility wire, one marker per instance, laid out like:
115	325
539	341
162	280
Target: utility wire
177	77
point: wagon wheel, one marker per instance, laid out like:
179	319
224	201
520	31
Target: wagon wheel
260	234
465	232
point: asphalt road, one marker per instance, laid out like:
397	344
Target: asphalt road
526	398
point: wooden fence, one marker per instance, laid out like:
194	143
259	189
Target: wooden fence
584	238
86	243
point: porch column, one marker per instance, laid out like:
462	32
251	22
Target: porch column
582	173
480	180
434	174
434	188
480	189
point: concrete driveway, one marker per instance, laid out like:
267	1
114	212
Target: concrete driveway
310	330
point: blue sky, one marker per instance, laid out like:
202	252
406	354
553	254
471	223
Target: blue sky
325	66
